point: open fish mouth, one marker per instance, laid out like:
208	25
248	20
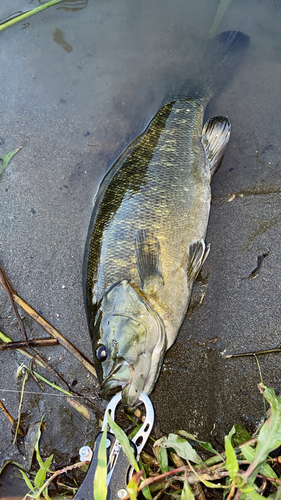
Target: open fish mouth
111	387
117	380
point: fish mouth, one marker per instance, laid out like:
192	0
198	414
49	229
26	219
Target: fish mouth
111	387
123	378
117	380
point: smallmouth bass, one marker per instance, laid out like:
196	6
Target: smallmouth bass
145	244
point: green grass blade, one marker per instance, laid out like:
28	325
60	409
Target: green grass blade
40	478
222	8
181	447
186	493
6	158
44	467
240	436
145	491
20	18
253	495
100	487
231	460
45	494
124	441
27	481
48	462
163	459
51	384
265	469
38	456
270	434
206	445
134	431
132	489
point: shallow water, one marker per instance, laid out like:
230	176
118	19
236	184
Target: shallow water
78	83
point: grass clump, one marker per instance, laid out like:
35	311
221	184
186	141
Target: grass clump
243	471
176	466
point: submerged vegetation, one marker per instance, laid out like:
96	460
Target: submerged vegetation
221	10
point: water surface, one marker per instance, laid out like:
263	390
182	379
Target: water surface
77	85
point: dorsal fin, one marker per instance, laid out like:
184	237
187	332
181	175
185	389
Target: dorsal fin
148	255
215	137
197	254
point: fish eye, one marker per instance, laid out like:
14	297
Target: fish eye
101	353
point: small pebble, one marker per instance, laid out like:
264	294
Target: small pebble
63	286
57	315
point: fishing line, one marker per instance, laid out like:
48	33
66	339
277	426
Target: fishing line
49	394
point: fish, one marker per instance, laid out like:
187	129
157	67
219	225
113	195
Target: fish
146	238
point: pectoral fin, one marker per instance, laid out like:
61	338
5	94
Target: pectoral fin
215	137
148	255
197	254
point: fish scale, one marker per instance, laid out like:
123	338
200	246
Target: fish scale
156	197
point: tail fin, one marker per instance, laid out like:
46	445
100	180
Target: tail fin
223	55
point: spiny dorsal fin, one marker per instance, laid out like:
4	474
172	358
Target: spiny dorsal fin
215	137
148	255
197	254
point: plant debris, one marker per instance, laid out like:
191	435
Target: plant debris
5	159
20	405
243	471
11	419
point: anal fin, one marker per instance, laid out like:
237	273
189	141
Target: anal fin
148	255
215	137
197	254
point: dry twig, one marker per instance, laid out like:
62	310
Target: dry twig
54	475
191	477
10	418
32	343
41	321
8	289
15	299
10	292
